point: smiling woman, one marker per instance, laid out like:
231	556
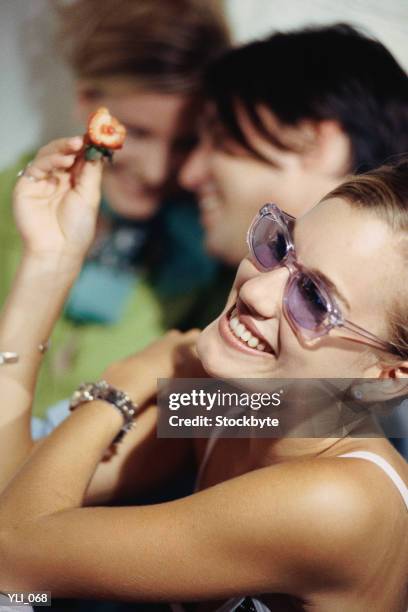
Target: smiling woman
296	302
274	524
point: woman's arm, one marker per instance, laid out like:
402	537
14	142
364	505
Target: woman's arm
125	476
271	530
25	324
56	219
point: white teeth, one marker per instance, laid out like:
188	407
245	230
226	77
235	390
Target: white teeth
253	342
246	335
234	322
240	329
241	332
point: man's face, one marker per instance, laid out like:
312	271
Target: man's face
157	141
232	183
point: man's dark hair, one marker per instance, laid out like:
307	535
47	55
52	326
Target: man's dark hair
317	73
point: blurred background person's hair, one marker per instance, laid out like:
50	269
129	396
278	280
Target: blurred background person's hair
163	46
35	95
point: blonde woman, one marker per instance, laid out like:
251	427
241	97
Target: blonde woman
275	524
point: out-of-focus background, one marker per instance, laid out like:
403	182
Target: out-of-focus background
35	103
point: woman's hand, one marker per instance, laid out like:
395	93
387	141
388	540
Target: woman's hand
173	356
56	200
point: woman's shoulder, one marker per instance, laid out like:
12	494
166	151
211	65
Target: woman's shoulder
377	469
317	515
317	506
330	491
349	487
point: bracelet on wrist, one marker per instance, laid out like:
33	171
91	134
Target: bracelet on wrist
101	390
8	357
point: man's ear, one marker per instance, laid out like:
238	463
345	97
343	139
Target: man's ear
327	147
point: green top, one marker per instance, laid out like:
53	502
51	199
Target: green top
80	351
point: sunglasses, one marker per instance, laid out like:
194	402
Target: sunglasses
308	303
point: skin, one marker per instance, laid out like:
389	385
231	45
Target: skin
158	139
307	503
232	184
330	248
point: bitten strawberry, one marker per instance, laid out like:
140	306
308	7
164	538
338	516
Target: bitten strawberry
104	130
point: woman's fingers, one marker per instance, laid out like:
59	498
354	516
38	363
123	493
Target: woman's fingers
45	166
64	146
63	155
61	163
87	182
58	155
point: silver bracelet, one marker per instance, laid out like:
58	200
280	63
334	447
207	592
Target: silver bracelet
8	357
101	390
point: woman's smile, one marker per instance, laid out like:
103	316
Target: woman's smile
240	332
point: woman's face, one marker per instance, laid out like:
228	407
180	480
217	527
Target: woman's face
355	251
157	141
232	184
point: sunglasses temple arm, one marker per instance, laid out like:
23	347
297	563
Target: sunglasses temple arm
360	331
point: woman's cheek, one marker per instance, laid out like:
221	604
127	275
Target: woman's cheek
294	358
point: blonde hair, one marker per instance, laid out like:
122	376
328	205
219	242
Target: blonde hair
164	44
384	191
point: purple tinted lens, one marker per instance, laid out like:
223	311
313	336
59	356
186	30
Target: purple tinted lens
269	243
305	303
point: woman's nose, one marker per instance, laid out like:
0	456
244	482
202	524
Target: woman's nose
263	292
195	170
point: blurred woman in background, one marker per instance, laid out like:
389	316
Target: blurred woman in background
143	60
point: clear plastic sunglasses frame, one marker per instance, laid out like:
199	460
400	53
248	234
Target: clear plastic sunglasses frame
334	317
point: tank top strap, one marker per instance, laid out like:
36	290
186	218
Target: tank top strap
385	466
